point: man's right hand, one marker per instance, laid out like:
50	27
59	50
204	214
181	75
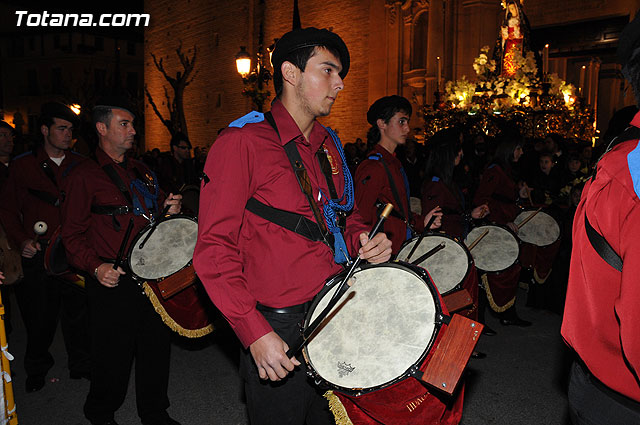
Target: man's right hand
270	355
29	249
107	276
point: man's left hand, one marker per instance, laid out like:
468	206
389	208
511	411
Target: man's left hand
376	250
176	203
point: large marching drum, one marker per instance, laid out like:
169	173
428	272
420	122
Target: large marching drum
160	259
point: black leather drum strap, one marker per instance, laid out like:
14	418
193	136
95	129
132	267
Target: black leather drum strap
291	221
602	247
301	175
394	190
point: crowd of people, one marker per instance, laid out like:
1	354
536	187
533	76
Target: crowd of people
282	207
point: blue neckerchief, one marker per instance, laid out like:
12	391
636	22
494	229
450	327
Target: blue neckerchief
150	199
331	206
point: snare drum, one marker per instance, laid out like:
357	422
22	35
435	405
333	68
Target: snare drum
166	257
167	251
497	251
541	230
448	267
379	333
190	200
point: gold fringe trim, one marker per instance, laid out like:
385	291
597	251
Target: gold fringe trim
539	279
337	408
168	320
492	303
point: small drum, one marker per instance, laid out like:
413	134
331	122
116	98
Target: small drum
190	200
448	267
164	262
10	260
496	251
541	230
167	251
379	332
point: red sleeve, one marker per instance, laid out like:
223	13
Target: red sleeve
217	258
626	306
14	194
488	184
369	180
76	221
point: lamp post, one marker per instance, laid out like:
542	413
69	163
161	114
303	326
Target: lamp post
255	80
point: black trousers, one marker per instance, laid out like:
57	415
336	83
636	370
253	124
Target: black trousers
125	328
43	300
293	401
590	403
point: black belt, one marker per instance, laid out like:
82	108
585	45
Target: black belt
294	309
110	210
620	398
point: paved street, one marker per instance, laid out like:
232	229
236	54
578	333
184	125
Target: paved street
521	382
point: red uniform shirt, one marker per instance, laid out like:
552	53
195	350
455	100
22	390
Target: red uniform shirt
243	259
88	236
435	193
21	209
372	185
602	309
500	192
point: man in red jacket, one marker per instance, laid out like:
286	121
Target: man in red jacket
32	193
601	313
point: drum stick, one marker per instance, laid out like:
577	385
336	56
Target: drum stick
526	220
424	233
153	227
477	241
428	254
40	228
123	245
302	340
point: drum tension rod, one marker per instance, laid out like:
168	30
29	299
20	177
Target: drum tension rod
342	287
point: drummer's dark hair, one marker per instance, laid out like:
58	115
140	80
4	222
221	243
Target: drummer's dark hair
508	141
443	147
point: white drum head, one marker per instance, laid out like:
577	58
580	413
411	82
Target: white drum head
541	230
447	267
385	326
497	251
168	250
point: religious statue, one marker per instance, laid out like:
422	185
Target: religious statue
514	37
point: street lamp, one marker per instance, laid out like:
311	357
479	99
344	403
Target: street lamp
255	80
243	62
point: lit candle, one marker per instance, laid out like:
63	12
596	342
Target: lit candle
439	76
581	86
545	59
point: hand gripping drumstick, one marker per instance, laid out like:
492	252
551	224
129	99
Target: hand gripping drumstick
424	233
302	340
40	228
477	241
526	220
123	245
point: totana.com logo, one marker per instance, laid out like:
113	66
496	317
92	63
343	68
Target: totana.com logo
46	19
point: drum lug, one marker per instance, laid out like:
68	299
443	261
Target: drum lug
441	318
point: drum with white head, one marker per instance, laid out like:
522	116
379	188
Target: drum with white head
168	250
541	230
380	331
494	248
448	267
